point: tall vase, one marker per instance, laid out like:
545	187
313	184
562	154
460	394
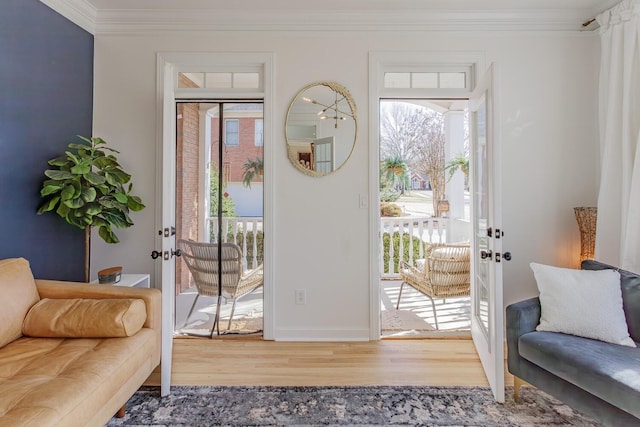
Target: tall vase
586	217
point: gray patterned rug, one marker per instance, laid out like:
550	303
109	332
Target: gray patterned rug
360	406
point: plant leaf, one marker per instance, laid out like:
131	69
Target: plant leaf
67	192
48	205
58	175
104	162
107	234
94	178
59	161
89	194
75	203
116	218
135	204
122	198
81	168
50	189
63	210
117	176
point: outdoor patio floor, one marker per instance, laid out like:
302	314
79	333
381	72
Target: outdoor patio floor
414	318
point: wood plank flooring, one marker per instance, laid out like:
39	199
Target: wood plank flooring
252	361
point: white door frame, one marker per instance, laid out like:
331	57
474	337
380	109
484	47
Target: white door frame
168	66
379	63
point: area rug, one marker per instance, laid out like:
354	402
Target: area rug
361	406
403	320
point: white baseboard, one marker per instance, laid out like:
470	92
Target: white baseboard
321	335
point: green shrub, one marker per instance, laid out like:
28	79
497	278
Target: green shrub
406	246
389	195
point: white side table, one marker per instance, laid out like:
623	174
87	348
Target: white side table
132	280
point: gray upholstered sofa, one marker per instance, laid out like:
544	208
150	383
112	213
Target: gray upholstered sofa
600	379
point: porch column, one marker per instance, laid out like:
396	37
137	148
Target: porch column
454	189
204	182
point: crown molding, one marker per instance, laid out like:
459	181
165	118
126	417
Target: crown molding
157	20
152	21
80	12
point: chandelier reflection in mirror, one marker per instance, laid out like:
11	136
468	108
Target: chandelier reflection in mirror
336	109
321	128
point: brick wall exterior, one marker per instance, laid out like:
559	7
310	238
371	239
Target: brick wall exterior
187	172
236	156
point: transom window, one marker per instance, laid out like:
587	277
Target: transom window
219	80
425	80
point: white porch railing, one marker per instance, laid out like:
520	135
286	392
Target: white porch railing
419	230
236	230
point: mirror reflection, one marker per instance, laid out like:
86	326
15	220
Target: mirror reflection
321	128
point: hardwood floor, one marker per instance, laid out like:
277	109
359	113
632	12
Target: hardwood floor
248	361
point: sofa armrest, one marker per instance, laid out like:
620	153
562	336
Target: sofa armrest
521	318
151	297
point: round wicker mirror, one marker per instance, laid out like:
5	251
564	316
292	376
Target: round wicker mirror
321	128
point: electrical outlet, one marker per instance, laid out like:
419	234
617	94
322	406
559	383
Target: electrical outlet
301	296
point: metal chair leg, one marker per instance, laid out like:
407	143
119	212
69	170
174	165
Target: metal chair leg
435	316
186	322
399	295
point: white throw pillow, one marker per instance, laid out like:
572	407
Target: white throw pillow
585	303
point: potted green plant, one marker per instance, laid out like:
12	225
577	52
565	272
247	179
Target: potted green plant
459	162
88	188
252	169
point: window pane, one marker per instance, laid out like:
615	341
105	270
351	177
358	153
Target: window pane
246	80
259	141
231	133
424	80
190	80
452	80
397	80
218	80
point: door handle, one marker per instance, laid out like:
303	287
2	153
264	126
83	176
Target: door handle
156	254
486	254
177	252
506	256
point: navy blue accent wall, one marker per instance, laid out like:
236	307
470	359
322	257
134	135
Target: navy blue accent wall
46	99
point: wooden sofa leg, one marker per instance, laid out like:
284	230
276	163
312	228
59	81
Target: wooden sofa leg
517	383
121	411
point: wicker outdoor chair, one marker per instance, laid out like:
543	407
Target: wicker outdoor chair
444	273
202	261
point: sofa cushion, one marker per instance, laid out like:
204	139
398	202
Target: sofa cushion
610	372
630	284
85	318
19	293
65	382
582	302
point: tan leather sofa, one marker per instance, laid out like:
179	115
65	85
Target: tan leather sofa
51	380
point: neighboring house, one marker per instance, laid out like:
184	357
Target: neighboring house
419	182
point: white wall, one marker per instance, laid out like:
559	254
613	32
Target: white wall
548	101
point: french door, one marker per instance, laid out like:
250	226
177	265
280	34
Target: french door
486	269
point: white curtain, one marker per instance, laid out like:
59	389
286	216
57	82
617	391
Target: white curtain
618	227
